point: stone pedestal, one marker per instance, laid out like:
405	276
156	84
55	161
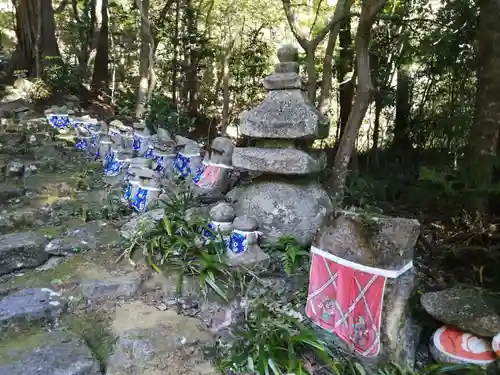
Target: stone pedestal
361	281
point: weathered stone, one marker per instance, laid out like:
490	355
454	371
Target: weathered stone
145	222
372	240
278	160
152	342
31	305
471	310
10	191
386	245
285	114
14	169
83	238
22	250
7	108
222	212
245	223
285	208
49	353
120	287
221	151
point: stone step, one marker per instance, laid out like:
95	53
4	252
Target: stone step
57	352
284	161
37	305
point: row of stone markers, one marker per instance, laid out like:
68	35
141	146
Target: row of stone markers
362	274
147	163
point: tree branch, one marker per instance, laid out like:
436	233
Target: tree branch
316	14
61	6
290	16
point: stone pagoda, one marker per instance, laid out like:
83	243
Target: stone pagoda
285	199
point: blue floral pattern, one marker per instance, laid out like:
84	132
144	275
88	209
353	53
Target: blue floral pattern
114	167
149	153
82	144
208	232
128	192
237	243
199	174
136	144
59	121
94	140
160	163
182	165
140	200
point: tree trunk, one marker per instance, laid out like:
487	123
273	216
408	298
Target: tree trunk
36	40
96	22
341	10
401	124
175	45
100	77
143	89
483	138
310	45
364	91
344	70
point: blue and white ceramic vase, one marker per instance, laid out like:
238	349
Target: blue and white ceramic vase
104	149
145	197
130	190
240	241
83	143
114	163
186	165
141	143
213	228
59	121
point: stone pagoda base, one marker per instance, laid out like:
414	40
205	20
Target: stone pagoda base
285	208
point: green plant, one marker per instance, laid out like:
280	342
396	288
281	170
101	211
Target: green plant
176	246
292	254
271	342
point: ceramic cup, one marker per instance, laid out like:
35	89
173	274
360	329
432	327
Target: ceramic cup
145	197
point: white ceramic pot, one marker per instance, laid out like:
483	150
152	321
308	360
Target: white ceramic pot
141	143
145	197
186	165
130	190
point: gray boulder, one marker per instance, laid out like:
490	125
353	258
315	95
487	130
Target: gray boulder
31	305
283	208
471	310
22	250
50	353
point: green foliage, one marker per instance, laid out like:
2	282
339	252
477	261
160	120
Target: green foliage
292	254
176	245
272	342
59	76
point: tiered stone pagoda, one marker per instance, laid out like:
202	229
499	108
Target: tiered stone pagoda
285	200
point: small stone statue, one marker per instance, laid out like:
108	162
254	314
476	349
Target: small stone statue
188	158
243	245
212	177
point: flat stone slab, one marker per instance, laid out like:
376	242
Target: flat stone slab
285	161
471	310
22	250
29	305
48	353
83	238
153	342
120	287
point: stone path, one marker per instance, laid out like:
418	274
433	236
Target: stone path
66	307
